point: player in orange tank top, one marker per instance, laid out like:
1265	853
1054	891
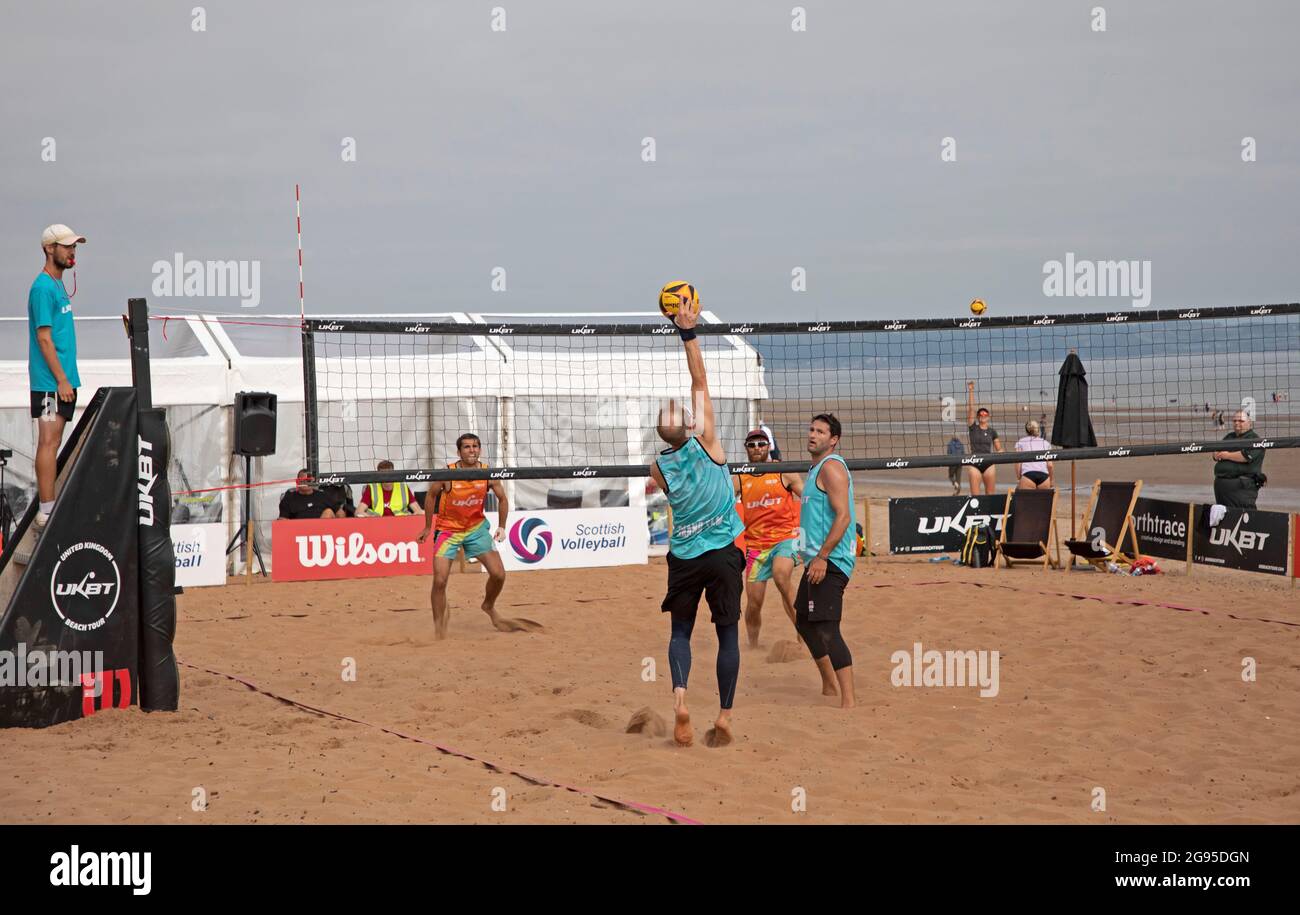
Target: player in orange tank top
769	504
457	506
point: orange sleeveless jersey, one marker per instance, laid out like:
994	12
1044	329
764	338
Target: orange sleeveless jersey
769	510
461	509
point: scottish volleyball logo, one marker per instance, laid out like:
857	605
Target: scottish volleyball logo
530	539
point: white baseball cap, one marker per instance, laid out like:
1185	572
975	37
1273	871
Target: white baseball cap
59	234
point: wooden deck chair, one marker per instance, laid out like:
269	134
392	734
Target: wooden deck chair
1110	515
1028	526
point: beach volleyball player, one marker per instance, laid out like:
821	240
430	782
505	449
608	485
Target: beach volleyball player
829	556
769	508
702	557
457	506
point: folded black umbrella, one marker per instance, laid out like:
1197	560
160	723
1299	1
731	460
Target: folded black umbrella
1072	426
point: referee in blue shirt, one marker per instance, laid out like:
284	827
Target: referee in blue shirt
52	358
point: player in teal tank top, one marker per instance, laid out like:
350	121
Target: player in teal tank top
702	556
828	551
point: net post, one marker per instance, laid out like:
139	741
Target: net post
1191	514
310	442
1074	525
506	440
1295	547
137	326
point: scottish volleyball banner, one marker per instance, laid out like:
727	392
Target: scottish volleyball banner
200	554
575	538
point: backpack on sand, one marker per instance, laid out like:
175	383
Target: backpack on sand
978	550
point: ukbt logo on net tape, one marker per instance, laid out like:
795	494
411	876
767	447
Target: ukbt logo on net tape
530	539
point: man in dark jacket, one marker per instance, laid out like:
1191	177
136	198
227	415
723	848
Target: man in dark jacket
1238	475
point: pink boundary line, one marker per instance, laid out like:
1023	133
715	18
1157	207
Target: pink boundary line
1102	599
532	779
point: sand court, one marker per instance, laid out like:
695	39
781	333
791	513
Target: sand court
1144	701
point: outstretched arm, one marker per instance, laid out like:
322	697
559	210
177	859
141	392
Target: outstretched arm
701	402
970	403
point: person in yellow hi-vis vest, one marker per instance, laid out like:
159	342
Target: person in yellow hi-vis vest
379	500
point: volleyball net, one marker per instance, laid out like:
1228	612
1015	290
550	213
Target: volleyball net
551	400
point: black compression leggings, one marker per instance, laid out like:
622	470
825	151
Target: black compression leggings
823	638
679	657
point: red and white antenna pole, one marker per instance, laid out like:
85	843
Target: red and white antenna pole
302	305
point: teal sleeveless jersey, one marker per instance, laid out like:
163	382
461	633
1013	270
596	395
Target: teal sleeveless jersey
816	517
702	499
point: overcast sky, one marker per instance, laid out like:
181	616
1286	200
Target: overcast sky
775	149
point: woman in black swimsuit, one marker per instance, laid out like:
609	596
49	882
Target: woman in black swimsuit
983	440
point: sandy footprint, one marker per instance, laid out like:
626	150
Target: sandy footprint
586	716
517	624
784	651
718	736
647	721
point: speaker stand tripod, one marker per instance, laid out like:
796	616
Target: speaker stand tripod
244	537
6	515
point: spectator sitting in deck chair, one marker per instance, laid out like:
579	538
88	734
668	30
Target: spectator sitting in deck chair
388	499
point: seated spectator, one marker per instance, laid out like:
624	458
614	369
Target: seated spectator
303	501
388	499
340	499
1034	474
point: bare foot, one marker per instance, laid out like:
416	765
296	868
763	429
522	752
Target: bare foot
847	702
720	734
440	624
517	624
829	689
683	734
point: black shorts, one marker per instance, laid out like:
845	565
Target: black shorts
1236	492
47	402
719	574
1036	476
822	601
